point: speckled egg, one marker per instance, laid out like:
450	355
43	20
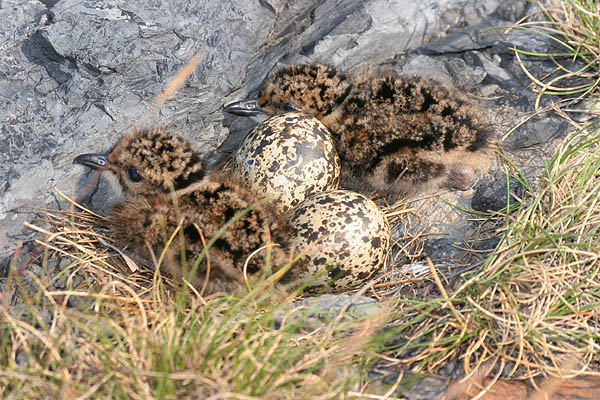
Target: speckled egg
346	237
288	157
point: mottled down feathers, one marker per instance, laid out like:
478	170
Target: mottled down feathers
166	189
395	134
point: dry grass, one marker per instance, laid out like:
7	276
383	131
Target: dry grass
541	290
573	26
109	333
533	306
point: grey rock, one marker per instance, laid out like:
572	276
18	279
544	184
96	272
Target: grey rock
314	312
412	386
333	304
539	130
493	195
430	387
443	249
486	245
425	65
493	68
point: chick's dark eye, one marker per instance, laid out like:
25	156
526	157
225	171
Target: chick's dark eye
133	175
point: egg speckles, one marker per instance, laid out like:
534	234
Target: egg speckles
345	236
288	157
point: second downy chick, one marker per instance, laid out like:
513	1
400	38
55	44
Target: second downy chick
394	134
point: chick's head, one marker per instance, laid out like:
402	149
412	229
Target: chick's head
147	162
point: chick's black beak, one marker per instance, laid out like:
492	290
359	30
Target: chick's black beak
245	108
93	161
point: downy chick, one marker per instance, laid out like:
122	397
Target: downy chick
165	186
395	134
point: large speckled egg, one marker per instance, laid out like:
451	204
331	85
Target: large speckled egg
287	158
345	236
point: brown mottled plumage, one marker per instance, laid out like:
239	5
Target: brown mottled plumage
394	133
167	162
318	89
205	207
165	185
